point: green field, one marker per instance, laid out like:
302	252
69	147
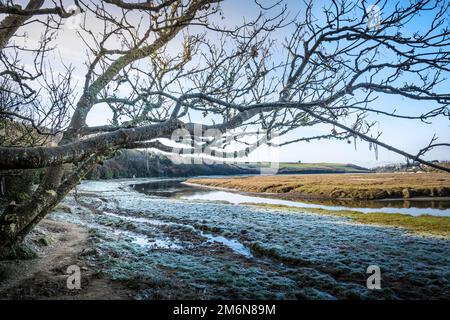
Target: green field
325	167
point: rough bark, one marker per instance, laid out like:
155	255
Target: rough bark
18	188
18	221
41	157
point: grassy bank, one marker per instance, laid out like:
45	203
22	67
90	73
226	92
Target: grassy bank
341	186
424	225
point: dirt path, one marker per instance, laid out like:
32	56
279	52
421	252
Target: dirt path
45	277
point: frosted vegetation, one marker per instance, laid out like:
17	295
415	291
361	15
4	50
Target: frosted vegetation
175	248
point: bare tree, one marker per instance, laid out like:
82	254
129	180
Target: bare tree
158	64
26	77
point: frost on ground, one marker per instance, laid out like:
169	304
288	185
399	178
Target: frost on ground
169	249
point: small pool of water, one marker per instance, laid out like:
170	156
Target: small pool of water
143	241
180	190
234	245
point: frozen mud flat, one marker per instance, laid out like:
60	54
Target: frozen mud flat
168	248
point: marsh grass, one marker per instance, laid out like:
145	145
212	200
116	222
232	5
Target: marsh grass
424	225
341	186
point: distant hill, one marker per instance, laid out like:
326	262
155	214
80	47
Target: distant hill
135	163
415	167
314	168
140	164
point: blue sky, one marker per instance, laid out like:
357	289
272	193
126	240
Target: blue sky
404	134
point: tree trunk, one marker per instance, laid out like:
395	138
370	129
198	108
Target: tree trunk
17	221
18	188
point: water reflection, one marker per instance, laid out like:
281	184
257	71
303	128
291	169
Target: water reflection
166	188
175	188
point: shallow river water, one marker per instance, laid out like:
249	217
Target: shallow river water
179	189
179	242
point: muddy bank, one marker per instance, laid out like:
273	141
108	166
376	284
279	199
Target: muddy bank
149	247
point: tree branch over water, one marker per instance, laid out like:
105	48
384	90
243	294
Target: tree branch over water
179	70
